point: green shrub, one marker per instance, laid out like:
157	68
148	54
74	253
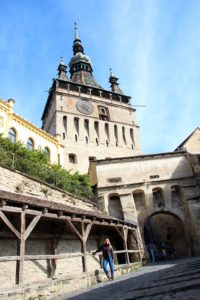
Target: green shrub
35	163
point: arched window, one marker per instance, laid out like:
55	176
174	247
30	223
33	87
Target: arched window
158	199
107	131
116	134
30	144
65	123
47	152
103	113
114	206
76	124
176	196
123	134
96	127
12	134
86	126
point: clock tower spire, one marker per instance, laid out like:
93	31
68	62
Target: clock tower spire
80	65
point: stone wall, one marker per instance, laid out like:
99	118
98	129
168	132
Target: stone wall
16	182
56	287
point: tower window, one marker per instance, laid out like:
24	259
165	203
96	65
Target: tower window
97	142
72	158
86	140
107	131
76	124
123	134
86	126
65	123
116	134
63	135
76	138
96	127
103	113
132	135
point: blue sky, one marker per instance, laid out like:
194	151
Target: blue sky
153	46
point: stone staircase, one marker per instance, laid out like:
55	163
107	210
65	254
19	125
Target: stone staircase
177	279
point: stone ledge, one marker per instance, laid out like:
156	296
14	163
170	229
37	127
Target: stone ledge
59	286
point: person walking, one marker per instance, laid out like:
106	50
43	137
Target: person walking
107	252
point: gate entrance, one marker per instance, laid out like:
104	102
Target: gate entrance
166	230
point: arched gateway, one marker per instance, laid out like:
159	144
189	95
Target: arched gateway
166	228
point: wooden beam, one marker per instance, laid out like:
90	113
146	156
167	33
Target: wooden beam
119	232
87	231
22	248
31	226
9	224
73	228
51	256
9	258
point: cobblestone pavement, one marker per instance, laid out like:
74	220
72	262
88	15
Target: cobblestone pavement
178	279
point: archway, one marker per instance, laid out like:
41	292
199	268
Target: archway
165	228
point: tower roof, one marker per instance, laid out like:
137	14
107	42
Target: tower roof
114	84
80	64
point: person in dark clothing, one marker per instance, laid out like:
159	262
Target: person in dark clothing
107	252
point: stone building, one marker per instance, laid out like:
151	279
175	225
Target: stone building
18	129
191	143
87	128
91	122
159	191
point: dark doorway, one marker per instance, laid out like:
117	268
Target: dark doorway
166	229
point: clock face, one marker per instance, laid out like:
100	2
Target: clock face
84	106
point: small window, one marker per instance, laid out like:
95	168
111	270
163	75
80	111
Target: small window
96	127
76	138
97	142
116	134
107	131
154	176
65	123
63	135
124	135
86	126
107	143
12	135
103	113
30	144
86	140
72	158
76	124
47	152
132	135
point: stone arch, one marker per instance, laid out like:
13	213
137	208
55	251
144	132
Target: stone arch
114	206
166	228
158	198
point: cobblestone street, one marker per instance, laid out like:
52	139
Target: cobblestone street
177	279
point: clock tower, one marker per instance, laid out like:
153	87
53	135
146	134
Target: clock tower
90	121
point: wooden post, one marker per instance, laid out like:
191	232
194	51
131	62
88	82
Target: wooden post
22	248
125	232
83	249
53	261
85	234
